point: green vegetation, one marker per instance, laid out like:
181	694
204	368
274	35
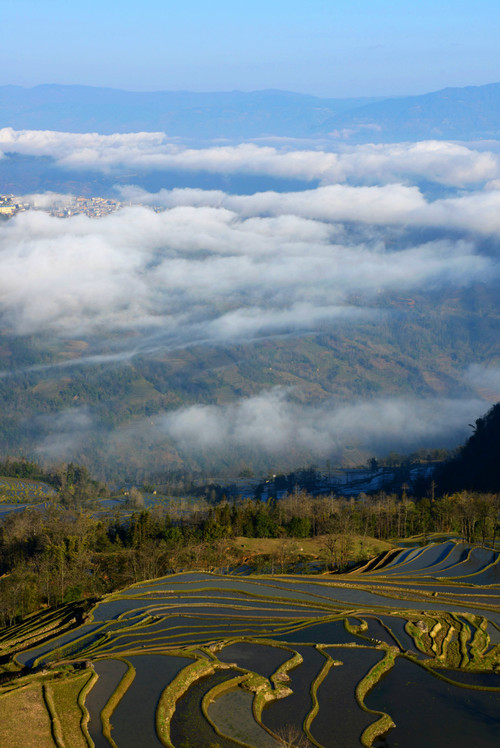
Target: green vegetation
52	705
24	707
418	347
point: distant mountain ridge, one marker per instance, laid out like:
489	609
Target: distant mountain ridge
178	113
452	113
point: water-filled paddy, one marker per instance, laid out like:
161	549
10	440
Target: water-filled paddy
467	677
398	627
429	712
226	606
293	709
188	725
134	718
476	561
430	586
341	721
376	631
484	576
423	559
8	508
114	608
402	558
260	658
494	634
30	655
110	673
329	632
431	558
232	713
205	616
183	636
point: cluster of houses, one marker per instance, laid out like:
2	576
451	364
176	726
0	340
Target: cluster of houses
94	207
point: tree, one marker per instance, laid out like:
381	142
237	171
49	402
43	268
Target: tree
329	548
290	736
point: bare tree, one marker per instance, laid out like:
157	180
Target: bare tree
290	736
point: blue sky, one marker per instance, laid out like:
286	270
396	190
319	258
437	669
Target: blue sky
337	48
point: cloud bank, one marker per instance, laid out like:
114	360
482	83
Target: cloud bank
273	424
218	267
266	264
270	426
379	205
64	434
442	162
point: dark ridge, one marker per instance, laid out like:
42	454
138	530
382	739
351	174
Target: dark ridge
476	467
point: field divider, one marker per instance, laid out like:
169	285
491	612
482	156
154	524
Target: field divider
385	722
464	637
174	691
460	684
480	639
55	724
85	718
434	634
115	699
447	641
267	690
310	716
212	695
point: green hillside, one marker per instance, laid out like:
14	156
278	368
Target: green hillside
417	346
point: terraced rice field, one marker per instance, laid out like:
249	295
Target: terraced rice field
384	656
18	491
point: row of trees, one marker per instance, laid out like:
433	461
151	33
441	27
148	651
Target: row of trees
472	515
54	556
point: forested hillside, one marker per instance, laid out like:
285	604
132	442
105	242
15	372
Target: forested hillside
476	466
421	346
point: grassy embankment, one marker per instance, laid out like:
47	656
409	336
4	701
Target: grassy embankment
287	551
46	710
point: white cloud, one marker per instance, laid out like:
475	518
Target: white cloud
65	433
442	162
270	426
378	205
214	273
272	423
47	200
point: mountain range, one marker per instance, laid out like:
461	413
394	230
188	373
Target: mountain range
471	112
